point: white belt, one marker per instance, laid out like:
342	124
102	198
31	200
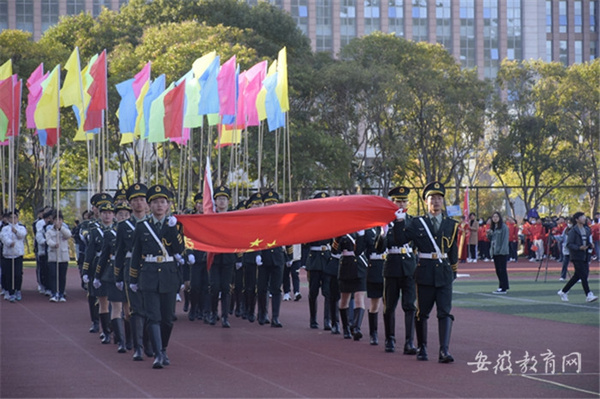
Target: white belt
158	259
128	254
432	255
98	254
401	250
320	248
347	253
337	256
112	257
376	256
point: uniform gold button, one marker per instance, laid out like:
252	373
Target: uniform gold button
159	269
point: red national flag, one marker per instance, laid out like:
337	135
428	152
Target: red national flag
98	88
286	224
173	119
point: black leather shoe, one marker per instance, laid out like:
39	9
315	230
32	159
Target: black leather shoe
422	353
157	362
390	345
409	349
314	324
105	338
347	334
137	355
357	334
335	329
373	339
275	323
165	359
251	318
445	357
327	325
121	348
148	351
225	322
94	327
212	319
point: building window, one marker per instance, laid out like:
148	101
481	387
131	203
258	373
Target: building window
467	33
24	14
578	47
577	17
443	27
562	16
49	14
372	16
593	16
563	53
3	14
593	50
490	39
324	29
419	17
548	50
347	21
514	45
548	16
299	10
98	5
396	17
75	7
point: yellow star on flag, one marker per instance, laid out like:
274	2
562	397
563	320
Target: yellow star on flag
256	243
272	244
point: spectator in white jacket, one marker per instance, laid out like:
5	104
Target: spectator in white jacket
57	241
13	248
42	253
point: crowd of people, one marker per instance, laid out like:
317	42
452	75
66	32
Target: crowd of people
133	263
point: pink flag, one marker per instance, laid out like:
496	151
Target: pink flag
240	117
227	87
34	84
254	78
140	79
16	119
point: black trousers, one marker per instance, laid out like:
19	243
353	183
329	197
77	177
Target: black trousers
393	287
428	295
159	308
501	272
316	281
269	279
12	268
291	273
582	270
221	276
57	277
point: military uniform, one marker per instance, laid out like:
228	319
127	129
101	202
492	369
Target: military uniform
318	258
374	279
398	272
435	271
250	269
155	272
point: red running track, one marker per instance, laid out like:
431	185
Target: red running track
46	351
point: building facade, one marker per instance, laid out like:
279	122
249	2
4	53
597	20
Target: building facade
479	33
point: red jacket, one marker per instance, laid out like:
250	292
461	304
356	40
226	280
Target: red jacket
513	232
537	232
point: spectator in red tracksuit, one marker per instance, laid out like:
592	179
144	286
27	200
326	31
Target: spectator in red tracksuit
538	237
513	239
484	242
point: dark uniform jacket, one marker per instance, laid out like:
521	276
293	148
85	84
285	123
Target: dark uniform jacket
351	267
401	264
104	269
124	245
163	277
433	272
94	249
375	270
317	260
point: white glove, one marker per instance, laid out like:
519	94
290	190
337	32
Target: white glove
258	260
86	278
119	285
97	284
400	214
182	287
133	287
171	221
238	265
360	233
179	259
191	259
385	229
288	263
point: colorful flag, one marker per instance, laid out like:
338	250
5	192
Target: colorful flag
17	95
262	94
208	203
275	116
254	78
127	112
47	111
34	84
6	70
155	90
209	89
286	224
6	108
141	78
228	135
282	81
156	133
72	89
227	87
191	116
98	89
174	107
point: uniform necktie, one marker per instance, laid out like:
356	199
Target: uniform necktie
435	223
158	226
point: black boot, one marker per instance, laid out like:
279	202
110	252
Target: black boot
165	336
214	305
95	327
225	304
421	329
104	322
137	331
312	307
275	306
155	337
445	330
93	306
358	316
262	309
326	315
409	322
148	346
389	324
335	320
194	304
250	306
128	335
119	329
186	300
345	325
374	340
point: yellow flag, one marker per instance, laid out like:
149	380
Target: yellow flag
6	70
140	125
72	90
282	81
262	94
126	138
229	136
202	63
47	111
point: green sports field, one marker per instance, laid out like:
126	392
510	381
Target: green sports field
530	299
